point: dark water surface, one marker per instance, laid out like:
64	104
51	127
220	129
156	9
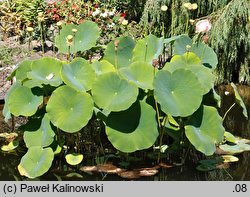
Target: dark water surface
234	122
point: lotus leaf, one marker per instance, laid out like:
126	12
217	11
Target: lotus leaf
45	71
191	62
148	49
84	39
120	55
23	68
239	100
79	74
140	73
21	101
6	110
179	93
74	158
133	129
229	158
36	162
180	45
11	146
204	129
68	109
102	67
204	52
112	93
234	149
229	137
43	137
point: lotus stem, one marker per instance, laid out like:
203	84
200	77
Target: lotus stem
41	35
116	43
228	111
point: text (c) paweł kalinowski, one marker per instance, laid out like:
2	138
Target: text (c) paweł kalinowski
57	188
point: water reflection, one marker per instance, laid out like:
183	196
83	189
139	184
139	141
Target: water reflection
234	122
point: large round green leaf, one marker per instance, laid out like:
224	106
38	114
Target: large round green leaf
22	102
68	109
79	74
148	48
133	129
45	71
84	39
204	129
43	137
180	45
112	93
191	62
120	55
140	73
179	93
206	54
203	51
23	68
36	162
102	67
6	110
74	158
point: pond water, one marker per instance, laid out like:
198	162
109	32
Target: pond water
234	122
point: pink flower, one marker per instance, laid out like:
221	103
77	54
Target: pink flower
203	26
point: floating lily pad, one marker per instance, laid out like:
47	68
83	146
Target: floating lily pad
179	93
148	49
11	146
102	67
235	149
22	102
79	74
140	73
204	129
239	100
9	136
36	162
43	137
133	129
84	39
45	71
191	62
229	158
68	109
74	158
112	93
122	56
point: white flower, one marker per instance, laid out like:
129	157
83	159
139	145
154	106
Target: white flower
112	13
203	26
96	12
227	93
104	14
